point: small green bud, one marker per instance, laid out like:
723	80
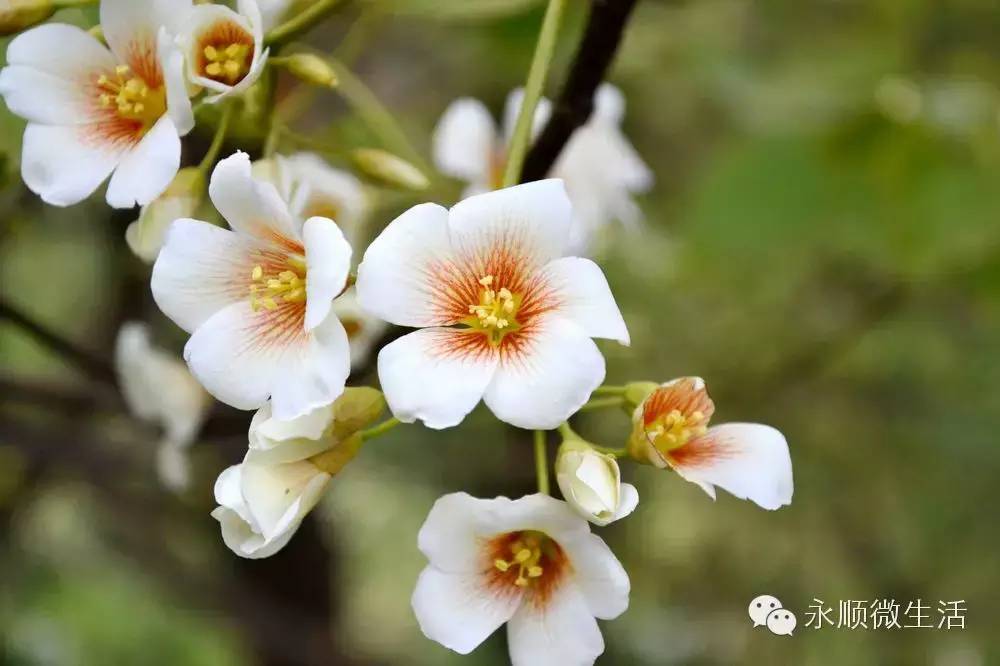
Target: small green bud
336	458
309	68
388	169
636	392
16	15
356	409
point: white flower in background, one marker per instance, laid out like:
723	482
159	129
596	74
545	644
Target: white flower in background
289	464
145	236
158	388
505	317
313	188
363	330
531	563
92	110
751	461
257	299
601	169
274	11
224	49
591	483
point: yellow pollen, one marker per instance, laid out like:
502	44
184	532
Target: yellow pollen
527	556
496	310
674	429
130	96
230	62
268	291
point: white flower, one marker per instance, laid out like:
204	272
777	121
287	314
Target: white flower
158	388
257	299
145	236
601	169
531	563
273	11
92	110
505	317
289	464
224	49
313	188
751	461
363	330
590	482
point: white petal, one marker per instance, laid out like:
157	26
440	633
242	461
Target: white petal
328	263
451	536
457	611
627	501
228	493
250	206
464	141
609	103
563	632
240	538
241	359
201	269
147	169
173	466
599	576
586	299
437	375
62	168
317	189
548	378
363	330
749	460
531	220
279	496
275	441
64	51
45	98
395	278
128	23
178	103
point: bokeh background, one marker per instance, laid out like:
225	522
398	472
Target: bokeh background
822	245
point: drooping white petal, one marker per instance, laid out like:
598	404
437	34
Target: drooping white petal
242	358
609	104
531	220
328	263
396	278
60	166
464	141
562	631
240	538
749	460
437	375
275	441
178	103
279	496
250	206
542	382
599	576
457	611
130	26
585	298
146	170
201	269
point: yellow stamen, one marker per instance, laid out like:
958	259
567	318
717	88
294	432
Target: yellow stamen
287	286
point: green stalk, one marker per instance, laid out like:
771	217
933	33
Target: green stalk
541	462
220	136
602	403
380	429
300	24
533	91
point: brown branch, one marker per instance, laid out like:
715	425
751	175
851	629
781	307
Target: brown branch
575	103
92	365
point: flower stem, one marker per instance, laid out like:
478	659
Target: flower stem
379	120
299	24
617	453
66	4
533	91
380	429
220	137
609	390
601	403
541	462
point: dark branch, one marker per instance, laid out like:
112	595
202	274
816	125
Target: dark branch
92	365
575	102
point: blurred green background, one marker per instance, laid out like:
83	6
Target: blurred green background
822	245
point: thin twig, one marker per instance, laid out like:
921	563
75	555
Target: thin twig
575	102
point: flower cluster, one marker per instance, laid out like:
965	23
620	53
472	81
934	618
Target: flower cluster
505	312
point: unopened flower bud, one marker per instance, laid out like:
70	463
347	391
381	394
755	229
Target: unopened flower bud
388	169
590	482
309	68
636	392
16	15
357	408
182	197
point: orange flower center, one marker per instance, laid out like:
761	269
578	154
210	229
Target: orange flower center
528	560
496	312
130	97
